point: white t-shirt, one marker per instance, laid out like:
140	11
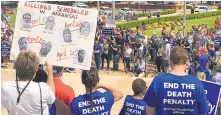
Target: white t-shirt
30	99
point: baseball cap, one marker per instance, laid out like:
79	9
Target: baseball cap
57	69
204	49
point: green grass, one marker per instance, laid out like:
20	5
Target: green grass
210	21
12	23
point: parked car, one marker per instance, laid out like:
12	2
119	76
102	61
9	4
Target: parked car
9	3
104	10
80	5
169	2
201	9
126	11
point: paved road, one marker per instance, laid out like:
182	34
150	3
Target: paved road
122	81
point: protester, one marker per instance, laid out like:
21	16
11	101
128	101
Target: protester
203	62
97	53
169	92
165	56
127	57
102	101
105	55
17	101
67	95
139	106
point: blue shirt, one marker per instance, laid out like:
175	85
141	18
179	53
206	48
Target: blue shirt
102	105
217	41
133	106
5	49
172	44
203	60
52	110
211	52
173	95
96	48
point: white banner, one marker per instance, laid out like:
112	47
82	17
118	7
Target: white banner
62	34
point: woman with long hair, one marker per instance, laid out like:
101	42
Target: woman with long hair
94	102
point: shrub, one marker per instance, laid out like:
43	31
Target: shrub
154	13
132	24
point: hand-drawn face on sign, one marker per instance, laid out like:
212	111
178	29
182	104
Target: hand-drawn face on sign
45	49
23	43
85	29
50	23
26	20
67	35
81	56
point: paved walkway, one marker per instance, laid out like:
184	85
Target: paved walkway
123	83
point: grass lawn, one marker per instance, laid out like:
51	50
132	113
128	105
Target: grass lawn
12	23
210	21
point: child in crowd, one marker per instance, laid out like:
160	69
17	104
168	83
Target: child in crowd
134	104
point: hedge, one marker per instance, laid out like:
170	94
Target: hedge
135	23
155	13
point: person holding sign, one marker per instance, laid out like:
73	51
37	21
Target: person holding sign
134	104
102	102
176	92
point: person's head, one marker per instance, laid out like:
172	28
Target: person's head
26	65
81	55
27	17
58	71
203	50
177	58
45	48
41	76
85	29
23	43
90	78
67	35
96	42
50	22
139	86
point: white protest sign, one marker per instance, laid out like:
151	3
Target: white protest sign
62	34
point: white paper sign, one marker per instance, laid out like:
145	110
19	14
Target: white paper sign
62	34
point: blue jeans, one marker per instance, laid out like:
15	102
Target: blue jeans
115	61
97	62
127	62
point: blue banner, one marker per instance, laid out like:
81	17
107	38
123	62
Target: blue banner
107	31
212	91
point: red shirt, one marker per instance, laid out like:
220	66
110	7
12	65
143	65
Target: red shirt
64	92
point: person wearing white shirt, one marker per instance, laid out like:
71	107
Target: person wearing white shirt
127	55
23	96
165	56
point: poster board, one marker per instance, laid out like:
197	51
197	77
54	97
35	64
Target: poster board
62	34
212	91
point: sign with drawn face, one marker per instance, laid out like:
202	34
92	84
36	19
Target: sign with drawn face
62	34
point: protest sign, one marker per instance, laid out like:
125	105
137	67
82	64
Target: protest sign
62	34
107	31
111	23
212	91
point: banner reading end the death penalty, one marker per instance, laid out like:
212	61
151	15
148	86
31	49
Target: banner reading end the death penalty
62	34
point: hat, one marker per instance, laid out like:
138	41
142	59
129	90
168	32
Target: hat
203	49
57	69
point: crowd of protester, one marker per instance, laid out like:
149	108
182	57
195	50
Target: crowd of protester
6	39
